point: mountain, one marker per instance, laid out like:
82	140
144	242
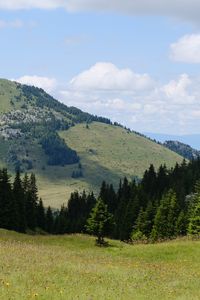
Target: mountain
191	139
184	150
66	148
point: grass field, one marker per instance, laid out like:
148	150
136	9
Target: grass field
71	267
106	152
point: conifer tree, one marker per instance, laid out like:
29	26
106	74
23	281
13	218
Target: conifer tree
181	224
194	219
124	195
49	220
31	203
100	221
165	218
149	181
61	221
40	213
8	208
19	197
139	228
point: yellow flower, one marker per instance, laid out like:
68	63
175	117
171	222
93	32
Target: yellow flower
35	295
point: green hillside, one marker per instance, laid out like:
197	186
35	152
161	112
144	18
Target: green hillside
71	267
32	128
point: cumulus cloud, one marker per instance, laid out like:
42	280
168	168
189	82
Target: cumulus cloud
172	107
183	9
106	76
186	49
48	84
178	90
106	90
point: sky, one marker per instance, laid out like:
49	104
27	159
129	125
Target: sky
135	62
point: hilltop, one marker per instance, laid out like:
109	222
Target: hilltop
69	149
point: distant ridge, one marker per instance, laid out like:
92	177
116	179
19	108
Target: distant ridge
192	140
184	150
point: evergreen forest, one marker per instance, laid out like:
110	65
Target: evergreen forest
164	204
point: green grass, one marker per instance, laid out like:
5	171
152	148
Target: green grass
106	152
117	150
8	92
71	267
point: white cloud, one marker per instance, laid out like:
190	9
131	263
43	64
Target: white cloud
182	9
106	90
186	49
106	76
48	84
178	90
173	107
29	4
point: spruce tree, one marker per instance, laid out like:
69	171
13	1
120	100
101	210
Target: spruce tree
40	213
31	203
62	222
194	218
124	195
19	197
8	208
99	222
181	224
49	220
165	218
139	228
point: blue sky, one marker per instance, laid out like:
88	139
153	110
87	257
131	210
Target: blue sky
134	63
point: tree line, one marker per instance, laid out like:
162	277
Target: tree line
20	208
163	205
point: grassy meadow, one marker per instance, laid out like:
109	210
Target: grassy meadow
71	267
106	153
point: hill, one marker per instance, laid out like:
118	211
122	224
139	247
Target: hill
67	267
184	150
32	128
191	139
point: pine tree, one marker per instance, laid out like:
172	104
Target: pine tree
139	228
49	220
108	195
62	222
165	218
31	203
8	207
181	224
100	221
19	197
124	195
149	181
194	219
40	213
